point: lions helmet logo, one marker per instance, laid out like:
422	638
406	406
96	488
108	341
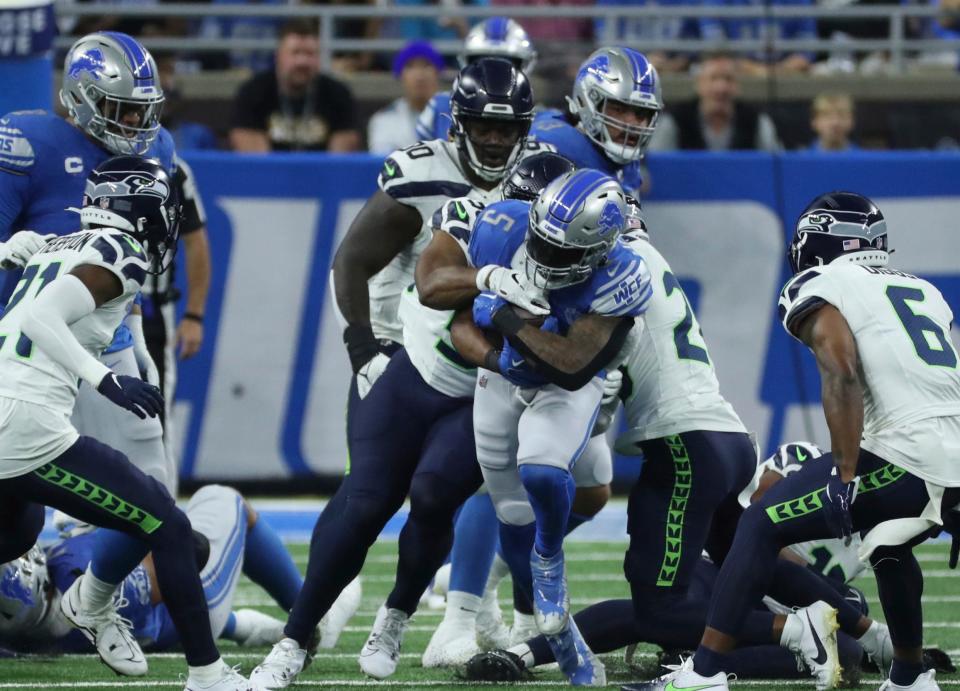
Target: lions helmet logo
611	219
599	67
90	61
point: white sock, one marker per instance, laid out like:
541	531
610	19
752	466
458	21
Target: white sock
95	595
870	640
498	571
521	619
522	650
792	631
462	608
207	674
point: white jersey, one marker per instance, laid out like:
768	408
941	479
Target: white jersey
36	394
423	177
426	332
901	325
670	383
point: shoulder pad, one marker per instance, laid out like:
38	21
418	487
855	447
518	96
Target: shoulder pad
622	286
498	232
457	217
423	170
18	133
163	149
795	303
123	255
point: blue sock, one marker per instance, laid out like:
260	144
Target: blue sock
550	490
576	520
707	662
115	555
516	541
230	626
267	563
905	673
474	543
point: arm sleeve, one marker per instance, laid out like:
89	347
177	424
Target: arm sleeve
47	321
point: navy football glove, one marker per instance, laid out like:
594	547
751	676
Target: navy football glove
840	496
137	396
485	305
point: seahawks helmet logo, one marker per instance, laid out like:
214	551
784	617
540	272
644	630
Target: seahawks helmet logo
134	184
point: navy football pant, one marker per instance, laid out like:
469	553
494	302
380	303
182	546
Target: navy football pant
405	438
791	512
99	485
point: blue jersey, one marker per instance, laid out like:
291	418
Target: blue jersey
618	288
551	127
44	163
435	120
152	625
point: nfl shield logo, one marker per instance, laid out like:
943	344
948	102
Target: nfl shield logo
104	202
482	382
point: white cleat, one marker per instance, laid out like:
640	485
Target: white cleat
340	613
682	678
378	658
258	628
492	633
878	645
817	643
925	682
282	666
230	680
524	628
452	645
441	580
109	633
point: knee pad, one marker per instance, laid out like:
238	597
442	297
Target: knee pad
594	468
434	498
201	549
514	511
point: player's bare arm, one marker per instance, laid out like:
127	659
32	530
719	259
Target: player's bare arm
444	278
470	341
568	361
828	335
379	232
190	329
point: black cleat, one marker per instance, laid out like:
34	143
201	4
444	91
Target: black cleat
496	665
934	658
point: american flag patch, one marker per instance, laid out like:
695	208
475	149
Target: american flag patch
853	244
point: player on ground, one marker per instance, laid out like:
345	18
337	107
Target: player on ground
614	624
73	294
891	396
532	425
493	106
235	540
496	37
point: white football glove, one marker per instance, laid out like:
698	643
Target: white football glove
512	286
15	253
611	386
369	373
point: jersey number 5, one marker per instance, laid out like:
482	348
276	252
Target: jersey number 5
921	329
681	332
24	346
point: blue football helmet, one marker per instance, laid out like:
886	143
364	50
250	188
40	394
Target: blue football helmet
499	37
491	106
24	597
839	226
574	223
625	78
135	195
533	173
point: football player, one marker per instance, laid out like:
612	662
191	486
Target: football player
496	37
67	305
472	617
891	397
492	109
614	624
112	94
531	426
30	599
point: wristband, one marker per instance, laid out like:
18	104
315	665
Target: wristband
507	321
483	273
491	360
362	345
194	317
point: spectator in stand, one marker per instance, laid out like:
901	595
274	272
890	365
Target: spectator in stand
716	120
640	31
418	68
554	30
761	28
832	120
294	107
240	28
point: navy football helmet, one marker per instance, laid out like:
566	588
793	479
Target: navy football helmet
137	196
491	106
839	226
533	173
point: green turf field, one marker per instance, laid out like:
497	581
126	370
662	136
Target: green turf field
594	574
